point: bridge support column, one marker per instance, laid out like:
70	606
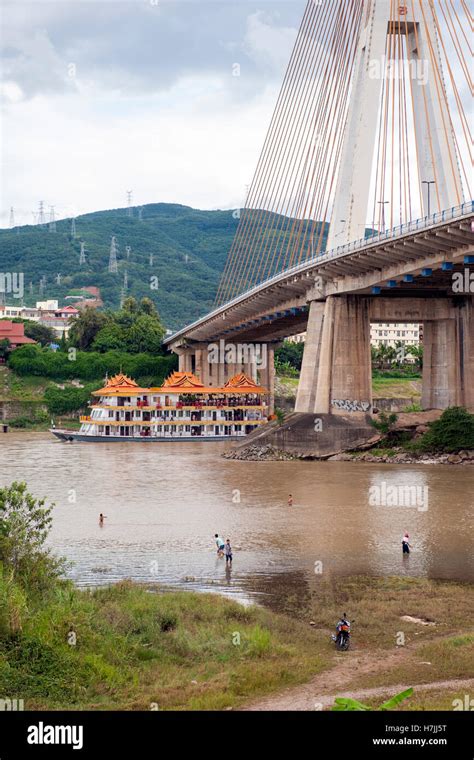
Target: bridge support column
440	365
466	335
336	374
448	360
185	362
306	396
267	377
351	370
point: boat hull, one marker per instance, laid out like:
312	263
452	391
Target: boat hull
72	435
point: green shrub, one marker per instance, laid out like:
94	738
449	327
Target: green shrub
24	526
65	400
34	360
385	422
453	432
37	417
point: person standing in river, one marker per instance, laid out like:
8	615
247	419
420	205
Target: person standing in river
406	546
228	552
290	500
101	519
220	545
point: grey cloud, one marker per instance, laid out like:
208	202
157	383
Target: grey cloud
137	48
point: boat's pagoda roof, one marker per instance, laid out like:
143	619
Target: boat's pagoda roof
180	382
120	385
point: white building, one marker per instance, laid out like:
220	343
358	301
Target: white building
393	334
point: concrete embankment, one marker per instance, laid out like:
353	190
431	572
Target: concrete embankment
339	438
309	436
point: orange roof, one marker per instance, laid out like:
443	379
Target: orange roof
179	382
186	382
120	385
241	381
183	381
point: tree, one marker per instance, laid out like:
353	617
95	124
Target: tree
130	305
85	327
63	344
148	307
5	348
24	526
417	353
145	335
112	337
36	331
290	353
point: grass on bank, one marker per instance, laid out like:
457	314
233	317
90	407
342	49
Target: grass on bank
378	604
135	648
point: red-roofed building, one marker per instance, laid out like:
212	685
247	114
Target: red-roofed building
14	332
66	312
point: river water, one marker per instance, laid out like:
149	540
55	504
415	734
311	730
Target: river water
163	503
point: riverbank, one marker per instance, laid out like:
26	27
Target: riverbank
397	455
127	648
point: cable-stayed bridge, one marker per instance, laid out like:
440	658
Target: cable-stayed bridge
359	210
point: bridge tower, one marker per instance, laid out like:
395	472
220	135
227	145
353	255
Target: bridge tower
397	39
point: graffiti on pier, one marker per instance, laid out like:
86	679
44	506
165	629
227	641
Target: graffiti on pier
348	405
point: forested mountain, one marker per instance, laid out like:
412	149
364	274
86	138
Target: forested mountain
184	248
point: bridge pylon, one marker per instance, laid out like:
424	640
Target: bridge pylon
398	40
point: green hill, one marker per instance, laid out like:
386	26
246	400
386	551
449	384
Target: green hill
189	249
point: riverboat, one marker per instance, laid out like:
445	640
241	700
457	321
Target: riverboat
182	409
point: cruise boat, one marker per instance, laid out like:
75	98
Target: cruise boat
182	409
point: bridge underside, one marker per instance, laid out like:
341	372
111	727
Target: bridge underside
336	374
335	298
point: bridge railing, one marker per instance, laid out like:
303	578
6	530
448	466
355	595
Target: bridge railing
455	212
403	229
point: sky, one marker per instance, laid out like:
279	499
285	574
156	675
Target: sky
170	99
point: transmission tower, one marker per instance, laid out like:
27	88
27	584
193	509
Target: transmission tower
124	288
140	214
73	227
128	249
58	279
31	288
151	259
41	216
113	266
129	203
82	255
12	217
52	219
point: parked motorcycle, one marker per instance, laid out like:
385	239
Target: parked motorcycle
342	638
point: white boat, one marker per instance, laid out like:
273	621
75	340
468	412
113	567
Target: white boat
182	409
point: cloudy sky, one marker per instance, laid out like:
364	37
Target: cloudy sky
103	96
